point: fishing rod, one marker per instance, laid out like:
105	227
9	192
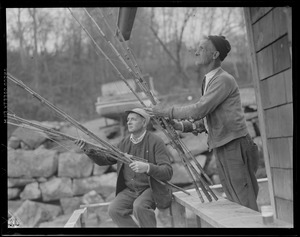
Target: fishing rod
131	72
171	133
61	113
146	90
107	58
115	154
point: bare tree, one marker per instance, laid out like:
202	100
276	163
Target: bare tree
33	14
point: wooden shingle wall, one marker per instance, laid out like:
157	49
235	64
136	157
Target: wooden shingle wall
270	42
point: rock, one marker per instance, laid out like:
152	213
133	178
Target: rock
41	179
60	221
13	193
31	191
40	162
110	197
74	165
70	204
52	210
99	170
24	146
18	182
13	205
31	214
91	198
14	142
56	188
31	138
104	184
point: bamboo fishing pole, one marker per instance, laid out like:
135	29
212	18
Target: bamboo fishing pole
143	85
131	72
61	113
146	90
119	156
141	81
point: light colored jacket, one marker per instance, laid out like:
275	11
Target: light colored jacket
221	104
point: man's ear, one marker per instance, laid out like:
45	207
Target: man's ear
216	54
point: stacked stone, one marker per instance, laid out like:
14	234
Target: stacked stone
46	184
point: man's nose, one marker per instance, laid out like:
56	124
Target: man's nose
197	53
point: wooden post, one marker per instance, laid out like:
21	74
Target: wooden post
261	116
78	218
178	215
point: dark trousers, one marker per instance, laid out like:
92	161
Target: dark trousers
128	202
237	163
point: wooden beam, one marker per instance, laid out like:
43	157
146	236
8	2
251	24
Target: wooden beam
261	117
222	213
77	219
178	215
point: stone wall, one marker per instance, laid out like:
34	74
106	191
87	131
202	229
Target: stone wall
45	182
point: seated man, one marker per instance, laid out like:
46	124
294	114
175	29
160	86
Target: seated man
137	192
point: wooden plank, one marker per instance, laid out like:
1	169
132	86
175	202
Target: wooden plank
281	55
280	153
262	32
202	223
279	22
272	127
279	121
257	12
223	213
283	183
288	85
77	219
265	63
273	91
286	120
178	215
291	150
261	113
285	210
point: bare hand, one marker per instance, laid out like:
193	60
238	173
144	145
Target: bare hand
138	166
128	156
80	143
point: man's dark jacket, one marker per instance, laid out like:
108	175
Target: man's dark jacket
160	167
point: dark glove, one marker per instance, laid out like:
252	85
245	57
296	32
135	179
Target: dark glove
174	124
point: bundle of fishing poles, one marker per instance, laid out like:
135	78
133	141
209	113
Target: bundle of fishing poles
200	179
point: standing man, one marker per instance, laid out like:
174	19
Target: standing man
137	192
220	111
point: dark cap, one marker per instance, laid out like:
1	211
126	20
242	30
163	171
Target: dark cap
222	45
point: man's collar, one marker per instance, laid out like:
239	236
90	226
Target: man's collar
139	139
211	73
